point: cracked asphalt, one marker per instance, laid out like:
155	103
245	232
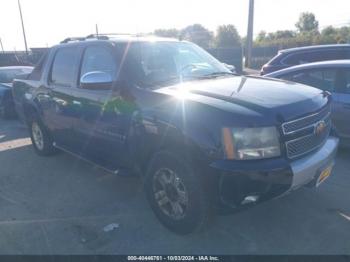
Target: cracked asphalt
61	205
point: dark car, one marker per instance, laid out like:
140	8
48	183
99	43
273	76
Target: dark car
330	76
302	55
7	74
202	139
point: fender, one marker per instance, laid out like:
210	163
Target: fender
149	134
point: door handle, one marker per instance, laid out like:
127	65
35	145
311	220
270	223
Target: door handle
77	103
60	102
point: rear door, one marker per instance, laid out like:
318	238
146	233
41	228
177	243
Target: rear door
63	110
342	104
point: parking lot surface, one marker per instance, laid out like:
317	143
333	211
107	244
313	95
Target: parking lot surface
61	205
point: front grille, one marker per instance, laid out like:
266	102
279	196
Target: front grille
302	123
305	138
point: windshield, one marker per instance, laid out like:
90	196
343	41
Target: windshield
161	63
7	75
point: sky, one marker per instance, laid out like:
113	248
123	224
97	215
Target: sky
49	21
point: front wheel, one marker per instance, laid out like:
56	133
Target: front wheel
176	194
41	139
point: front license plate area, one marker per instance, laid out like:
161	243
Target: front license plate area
324	174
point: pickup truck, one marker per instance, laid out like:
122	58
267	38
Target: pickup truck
202	139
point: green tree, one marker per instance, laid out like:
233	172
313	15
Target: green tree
328	35
307	23
227	36
261	36
198	34
284	34
173	33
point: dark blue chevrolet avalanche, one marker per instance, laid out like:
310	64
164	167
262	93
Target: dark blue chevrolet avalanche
202	139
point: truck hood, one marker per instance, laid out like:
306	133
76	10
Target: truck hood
261	95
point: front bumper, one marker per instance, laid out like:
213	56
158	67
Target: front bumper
305	170
247	182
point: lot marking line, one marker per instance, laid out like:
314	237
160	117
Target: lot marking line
52	220
9	199
16	143
344	216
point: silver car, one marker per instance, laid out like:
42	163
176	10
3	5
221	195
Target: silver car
331	76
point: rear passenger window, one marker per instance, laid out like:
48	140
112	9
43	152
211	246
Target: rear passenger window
97	58
323	79
65	66
314	56
292	59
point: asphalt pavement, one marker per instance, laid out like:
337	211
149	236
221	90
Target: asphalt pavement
61	205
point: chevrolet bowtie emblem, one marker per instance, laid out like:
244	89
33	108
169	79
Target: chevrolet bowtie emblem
319	128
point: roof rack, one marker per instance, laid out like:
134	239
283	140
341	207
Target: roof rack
72	39
97	37
106	36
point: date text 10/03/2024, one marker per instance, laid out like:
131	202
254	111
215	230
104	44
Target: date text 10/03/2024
173	258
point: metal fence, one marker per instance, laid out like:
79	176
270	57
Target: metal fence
231	56
261	55
17	58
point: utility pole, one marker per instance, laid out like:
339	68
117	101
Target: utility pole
2	47
96	30
24	32
249	46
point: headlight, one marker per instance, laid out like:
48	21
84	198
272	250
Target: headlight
251	143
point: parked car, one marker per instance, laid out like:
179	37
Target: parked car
7	74
330	76
201	138
302	55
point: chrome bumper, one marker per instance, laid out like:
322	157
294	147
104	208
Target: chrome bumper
308	168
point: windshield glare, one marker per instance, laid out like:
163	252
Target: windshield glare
164	62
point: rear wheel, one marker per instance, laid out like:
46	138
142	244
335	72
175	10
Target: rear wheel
41	138
176	194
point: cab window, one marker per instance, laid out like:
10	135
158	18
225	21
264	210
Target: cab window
65	66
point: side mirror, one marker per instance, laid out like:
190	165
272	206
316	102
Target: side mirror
232	68
96	80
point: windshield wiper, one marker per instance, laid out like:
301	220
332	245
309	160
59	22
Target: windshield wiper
217	74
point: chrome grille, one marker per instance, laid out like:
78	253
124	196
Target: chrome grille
301	123
305	139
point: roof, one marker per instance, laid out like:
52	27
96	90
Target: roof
315	47
323	64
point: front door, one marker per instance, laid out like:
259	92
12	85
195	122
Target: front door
101	128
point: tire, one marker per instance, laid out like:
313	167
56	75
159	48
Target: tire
41	138
194	201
